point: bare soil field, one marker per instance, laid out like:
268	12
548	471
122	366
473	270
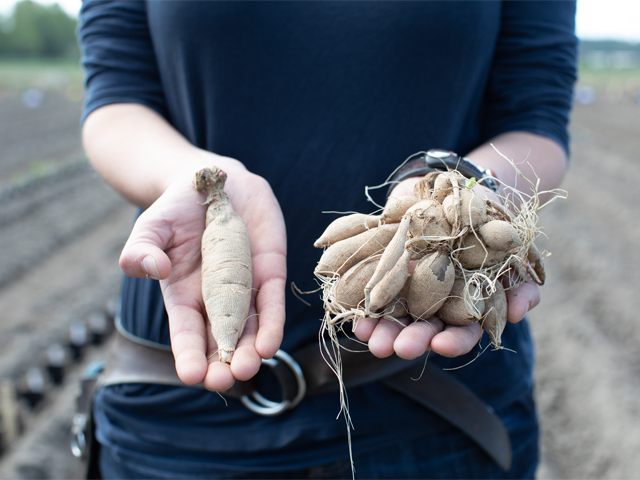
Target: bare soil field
61	237
587	328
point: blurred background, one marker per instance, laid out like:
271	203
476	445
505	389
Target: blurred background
62	229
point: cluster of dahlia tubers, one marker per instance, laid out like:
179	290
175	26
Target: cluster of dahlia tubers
464	251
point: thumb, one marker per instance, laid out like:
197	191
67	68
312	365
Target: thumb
143	255
522	299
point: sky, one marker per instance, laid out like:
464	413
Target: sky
595	19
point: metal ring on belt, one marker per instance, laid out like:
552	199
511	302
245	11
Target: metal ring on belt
284	367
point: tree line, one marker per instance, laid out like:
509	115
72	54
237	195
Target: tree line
38	31
587	46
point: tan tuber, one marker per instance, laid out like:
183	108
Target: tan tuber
226	264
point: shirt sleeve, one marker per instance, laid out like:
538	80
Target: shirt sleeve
118	55
534	70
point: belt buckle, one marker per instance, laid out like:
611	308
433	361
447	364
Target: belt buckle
257	403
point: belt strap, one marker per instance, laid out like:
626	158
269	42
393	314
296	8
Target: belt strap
131	362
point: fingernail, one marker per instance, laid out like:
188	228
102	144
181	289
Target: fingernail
526	309
150	268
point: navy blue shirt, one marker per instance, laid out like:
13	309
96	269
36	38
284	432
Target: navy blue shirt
321	99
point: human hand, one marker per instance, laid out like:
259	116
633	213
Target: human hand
409	339
165	245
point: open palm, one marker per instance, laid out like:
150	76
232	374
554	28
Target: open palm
165	244
409	339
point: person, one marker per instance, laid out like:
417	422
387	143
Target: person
303	104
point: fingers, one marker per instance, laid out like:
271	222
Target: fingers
246	360
263	331
522	299
270	302
193	366
189	343
416	338
363	327
268	239
218	377
455	341
386	337
383	336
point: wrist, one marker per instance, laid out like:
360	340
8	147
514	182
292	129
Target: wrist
423	163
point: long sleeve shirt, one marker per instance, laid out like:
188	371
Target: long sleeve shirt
321	99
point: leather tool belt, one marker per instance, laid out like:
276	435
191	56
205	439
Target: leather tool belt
305	373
